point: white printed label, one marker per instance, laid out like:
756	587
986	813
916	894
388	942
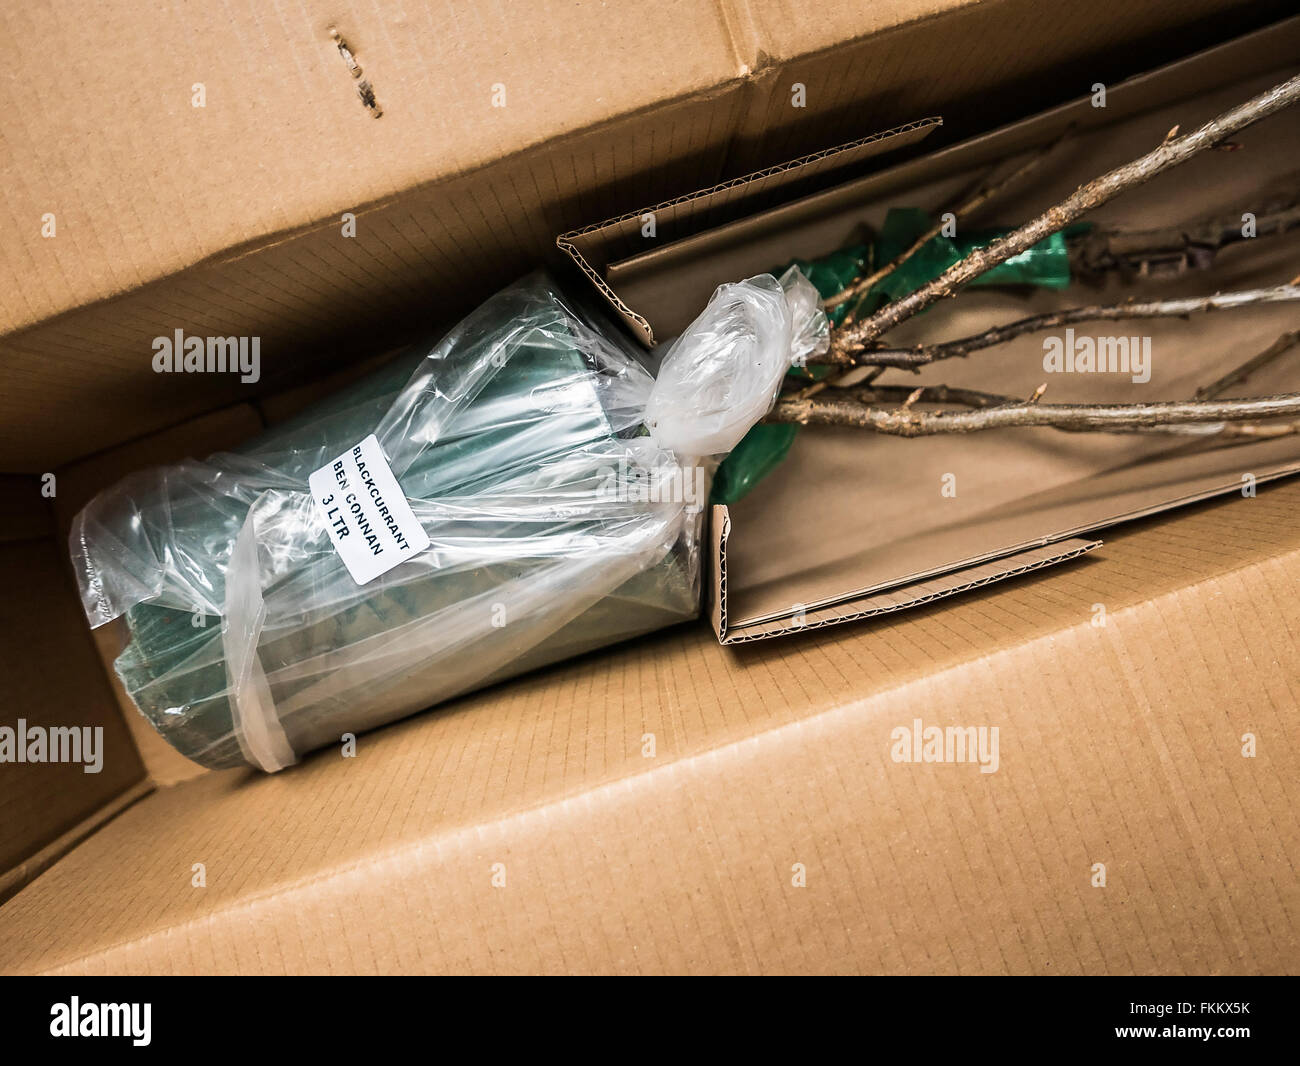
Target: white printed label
366	512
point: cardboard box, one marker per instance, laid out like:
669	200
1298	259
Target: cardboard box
230	216
672	805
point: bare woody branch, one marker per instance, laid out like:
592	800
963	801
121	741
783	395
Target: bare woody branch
987	190
907	422
1251	431
1175	250
1170	153
924	354
1279	347
979	400
939	394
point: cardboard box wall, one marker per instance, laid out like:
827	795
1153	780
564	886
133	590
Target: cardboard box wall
1120	745
679	862
227	219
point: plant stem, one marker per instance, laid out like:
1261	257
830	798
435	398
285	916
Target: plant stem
1170	153
906	422
1279	347
924	354
986	191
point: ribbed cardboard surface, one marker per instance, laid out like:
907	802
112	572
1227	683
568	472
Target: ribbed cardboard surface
523	829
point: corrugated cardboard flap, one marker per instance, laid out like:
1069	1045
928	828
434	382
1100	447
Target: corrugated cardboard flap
595	248
911	592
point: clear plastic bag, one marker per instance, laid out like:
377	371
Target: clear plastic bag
561	488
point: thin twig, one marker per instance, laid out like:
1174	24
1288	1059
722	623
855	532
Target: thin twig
986	191
1174	250
1280	346
868	397
1084	199
937	394
979	400
911	423
1256	432
924	354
